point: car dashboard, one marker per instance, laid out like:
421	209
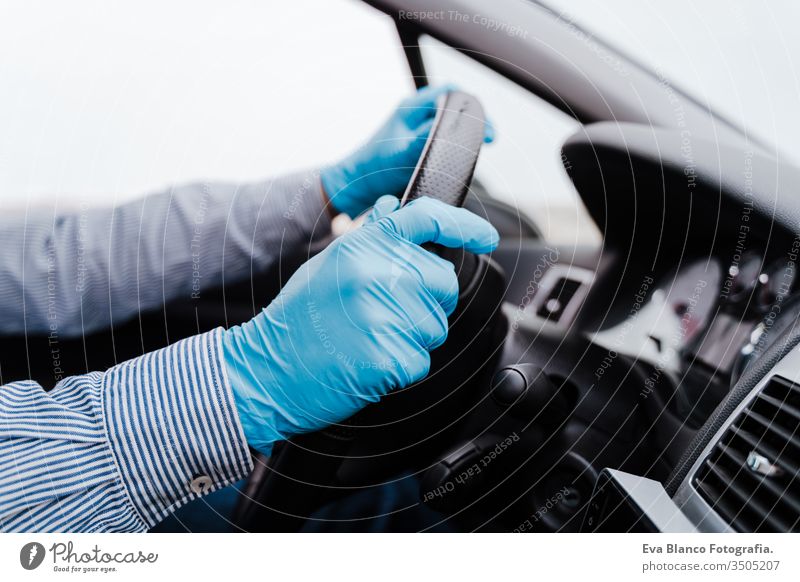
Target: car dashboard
678	335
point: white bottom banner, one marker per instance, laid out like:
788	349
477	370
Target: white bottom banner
400	557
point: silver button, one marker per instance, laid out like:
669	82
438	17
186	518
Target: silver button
201	484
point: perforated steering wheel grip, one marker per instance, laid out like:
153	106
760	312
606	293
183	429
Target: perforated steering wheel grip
445	167
444	171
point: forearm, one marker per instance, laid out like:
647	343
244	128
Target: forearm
82	271
120	450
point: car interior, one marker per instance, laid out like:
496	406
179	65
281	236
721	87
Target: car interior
645	381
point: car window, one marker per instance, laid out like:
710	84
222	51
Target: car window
523	166
737	56
102	103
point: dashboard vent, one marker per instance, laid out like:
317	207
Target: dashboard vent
751	478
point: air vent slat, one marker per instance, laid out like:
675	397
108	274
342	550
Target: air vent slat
749	503
768	451
771	428
777	491
751	478
721	505
780	405
727	504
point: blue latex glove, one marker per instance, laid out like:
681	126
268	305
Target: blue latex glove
355	322
385	163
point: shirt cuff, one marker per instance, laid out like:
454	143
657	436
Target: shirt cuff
173	427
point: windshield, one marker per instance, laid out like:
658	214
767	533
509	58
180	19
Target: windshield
523	166
740	57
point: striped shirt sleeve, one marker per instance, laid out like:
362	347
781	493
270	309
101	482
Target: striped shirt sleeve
80	270
120	450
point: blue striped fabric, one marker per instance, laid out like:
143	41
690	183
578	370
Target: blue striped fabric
119	450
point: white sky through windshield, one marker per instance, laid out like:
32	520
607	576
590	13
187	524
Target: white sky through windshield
740	56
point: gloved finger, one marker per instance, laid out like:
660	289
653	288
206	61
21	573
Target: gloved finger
421	109
439	277
422	105
422	131
417	367
488	132
425	128
427	96
428	220
383	206
435	274
428	319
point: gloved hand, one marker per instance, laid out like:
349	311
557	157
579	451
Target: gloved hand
353	323
385	163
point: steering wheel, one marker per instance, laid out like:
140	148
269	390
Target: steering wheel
447	162
409	427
